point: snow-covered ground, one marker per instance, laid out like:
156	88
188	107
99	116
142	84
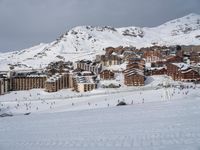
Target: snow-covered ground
163	125
37	100
156	118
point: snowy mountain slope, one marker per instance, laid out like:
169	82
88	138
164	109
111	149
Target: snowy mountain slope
87	41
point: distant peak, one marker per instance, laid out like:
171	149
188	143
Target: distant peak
192	15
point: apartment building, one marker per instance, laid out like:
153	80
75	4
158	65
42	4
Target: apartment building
107	75
109	60
58	81
26	80
84	83
134	77
88	65
182	72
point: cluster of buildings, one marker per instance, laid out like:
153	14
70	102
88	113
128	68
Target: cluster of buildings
174	62
85	75
56	76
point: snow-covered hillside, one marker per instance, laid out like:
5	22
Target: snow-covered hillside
87	41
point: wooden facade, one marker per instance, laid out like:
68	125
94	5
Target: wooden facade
107	75
174	59
109	60
134	79
134	73
152	56
135	65
195	57
182	73
156	71
190	75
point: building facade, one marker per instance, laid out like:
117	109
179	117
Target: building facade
58	82
134	78
26	80
107	75
109	60
182	72
84	83
88	65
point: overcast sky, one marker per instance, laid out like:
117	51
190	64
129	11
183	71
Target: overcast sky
25	23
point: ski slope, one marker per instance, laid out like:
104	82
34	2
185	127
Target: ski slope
159	125
39	101
156	118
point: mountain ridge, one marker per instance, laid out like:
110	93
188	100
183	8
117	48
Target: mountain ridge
87	41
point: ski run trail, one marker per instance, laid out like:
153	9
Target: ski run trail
149	126
155	119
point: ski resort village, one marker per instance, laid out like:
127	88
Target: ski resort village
121	66
132	88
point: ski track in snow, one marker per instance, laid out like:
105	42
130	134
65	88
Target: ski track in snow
168	119
163	125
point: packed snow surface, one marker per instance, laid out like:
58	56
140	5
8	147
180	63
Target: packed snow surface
156	118
150	126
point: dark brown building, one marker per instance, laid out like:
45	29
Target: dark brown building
174	59
182	72
190	75
134	78
156	71
107	75
152	56
194	57
109	60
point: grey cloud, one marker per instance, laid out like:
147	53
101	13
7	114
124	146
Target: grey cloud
24	23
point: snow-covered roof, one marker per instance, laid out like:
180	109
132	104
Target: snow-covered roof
182	66
29	73
121	67
108	82
105	69
156	68
133	71
54	78
84	80
83	72
186	71
36	75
